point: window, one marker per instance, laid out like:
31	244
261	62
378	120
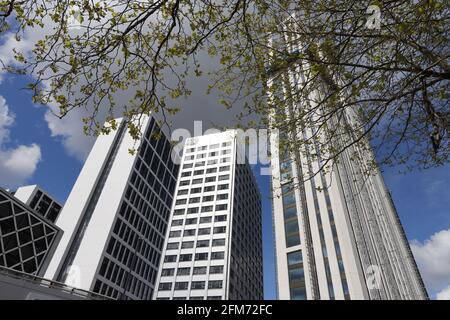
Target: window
210	188
197	285
187	244
191	221
198	172
208	198
210	179
181	285
225	160
196	190
201	156
221	207
186	174
213	154
211	170
288	199
201	256
184	183
202	243
214	146
183	271
219	229
217	255
178	222
222	187
178	212
173	245
226	144
165	286
199	270
190	150
217	284
218	242
224	168
202	148
222	217
295	258
192	210
167	272
227	151
188	158
207	208
187	166
183	192
189	232
180	201
296	275
194	200
205	219
290	213
174	234
200	164
222	196
185	257
215	269
197	181
212	162
224	177
171	258
203	231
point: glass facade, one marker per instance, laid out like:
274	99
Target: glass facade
296	275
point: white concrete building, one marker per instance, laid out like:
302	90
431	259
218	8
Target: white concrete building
214	246
116	215
344	241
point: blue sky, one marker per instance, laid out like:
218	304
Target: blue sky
422	198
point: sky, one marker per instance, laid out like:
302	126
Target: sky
38	148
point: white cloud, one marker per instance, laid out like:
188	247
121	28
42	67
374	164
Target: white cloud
17	164
433	259
70	130
444	294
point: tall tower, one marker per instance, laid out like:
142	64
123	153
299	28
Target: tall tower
214	246
116	215
40	201
337	233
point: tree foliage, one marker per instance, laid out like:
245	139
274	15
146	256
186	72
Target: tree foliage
393	76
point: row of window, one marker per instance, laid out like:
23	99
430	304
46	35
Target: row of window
223	177
200	244
203	163
200	256
186	271
213	146
195	285
205	189
222	196
204	155
189	221
202	171
201	231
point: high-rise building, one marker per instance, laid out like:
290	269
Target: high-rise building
27	240
337	233
116	216
40	201
213	248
